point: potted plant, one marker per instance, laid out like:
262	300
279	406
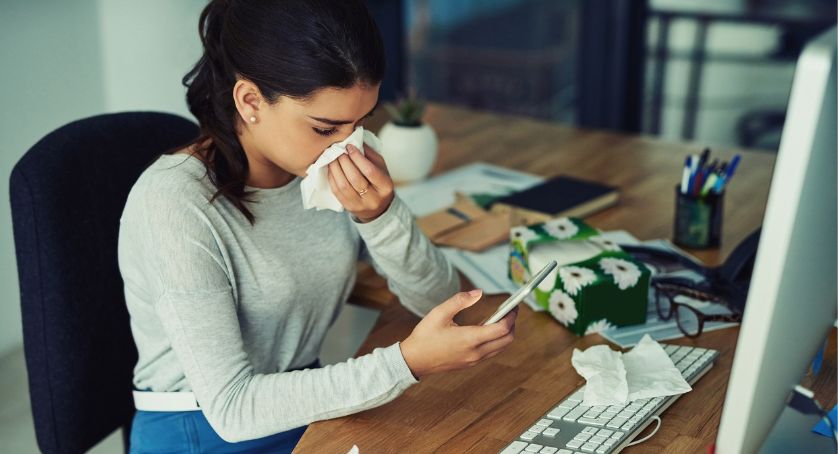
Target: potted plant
408	145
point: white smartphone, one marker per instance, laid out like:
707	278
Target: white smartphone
522	292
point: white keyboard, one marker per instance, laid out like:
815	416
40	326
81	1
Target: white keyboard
571	428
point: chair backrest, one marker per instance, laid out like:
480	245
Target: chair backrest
67	195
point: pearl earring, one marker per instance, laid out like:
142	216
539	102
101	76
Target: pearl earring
253	119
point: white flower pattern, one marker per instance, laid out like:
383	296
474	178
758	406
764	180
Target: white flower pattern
625	273
561	228
574	278
562	307
522	234
598	326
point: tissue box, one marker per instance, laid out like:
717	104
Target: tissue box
596	285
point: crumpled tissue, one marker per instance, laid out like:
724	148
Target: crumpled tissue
614	378
315	186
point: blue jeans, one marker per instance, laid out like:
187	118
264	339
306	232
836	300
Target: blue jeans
158	432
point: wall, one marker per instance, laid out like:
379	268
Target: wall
66	60
50	74
146	49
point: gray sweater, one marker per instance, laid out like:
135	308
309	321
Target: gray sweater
223	308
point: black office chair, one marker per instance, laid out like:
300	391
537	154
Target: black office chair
67	195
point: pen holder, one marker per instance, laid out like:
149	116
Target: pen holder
698	220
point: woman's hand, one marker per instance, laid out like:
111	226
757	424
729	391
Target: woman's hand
361	183
439	344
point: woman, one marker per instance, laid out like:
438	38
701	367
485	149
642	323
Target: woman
232	285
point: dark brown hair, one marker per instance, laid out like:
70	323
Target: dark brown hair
286	48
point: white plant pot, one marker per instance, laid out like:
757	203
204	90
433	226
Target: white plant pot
410	151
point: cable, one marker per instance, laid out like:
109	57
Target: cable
637	442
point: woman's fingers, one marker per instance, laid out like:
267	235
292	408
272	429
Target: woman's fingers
376	158
374	172
495	346
343	190
353	175
482	334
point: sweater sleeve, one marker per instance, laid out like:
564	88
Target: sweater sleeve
197	307
416	270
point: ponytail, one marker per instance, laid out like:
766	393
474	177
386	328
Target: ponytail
209	96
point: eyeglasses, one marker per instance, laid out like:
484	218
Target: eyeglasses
689	319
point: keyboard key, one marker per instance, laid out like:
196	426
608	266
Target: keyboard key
605	432
515	447
557	413
573	444
548	450
588	421
568	404
582	437
532	447
528	435
598	439
601	421
550	432
617	422
609	442
564	451
575	413
589	430
617	435
602	450
536	428
589	447
544	422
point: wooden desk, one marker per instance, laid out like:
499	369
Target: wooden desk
480	410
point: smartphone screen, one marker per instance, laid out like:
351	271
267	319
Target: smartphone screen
522	292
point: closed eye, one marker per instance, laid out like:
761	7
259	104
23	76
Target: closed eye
325	132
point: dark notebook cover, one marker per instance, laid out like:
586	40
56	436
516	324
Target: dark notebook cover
561	195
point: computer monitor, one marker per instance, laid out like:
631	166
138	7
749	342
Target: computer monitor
792	298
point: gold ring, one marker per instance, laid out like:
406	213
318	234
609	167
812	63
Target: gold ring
363	191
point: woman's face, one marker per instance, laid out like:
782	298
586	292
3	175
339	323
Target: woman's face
291	134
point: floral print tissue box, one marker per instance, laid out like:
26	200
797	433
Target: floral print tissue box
596	285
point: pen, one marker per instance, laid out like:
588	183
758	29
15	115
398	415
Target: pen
685	176
705	155
693	167
731	168
699	181
711	183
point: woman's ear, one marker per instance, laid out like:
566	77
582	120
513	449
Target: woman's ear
248	99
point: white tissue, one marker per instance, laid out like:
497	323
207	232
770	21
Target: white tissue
614	378
315	186
651	373
603	369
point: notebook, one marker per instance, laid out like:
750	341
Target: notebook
557	197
